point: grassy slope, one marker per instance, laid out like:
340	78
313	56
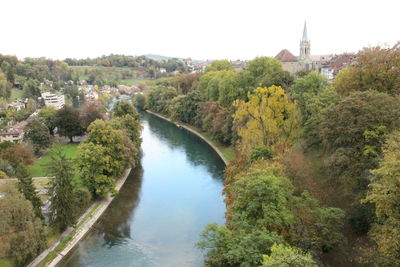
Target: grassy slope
15	94
38	169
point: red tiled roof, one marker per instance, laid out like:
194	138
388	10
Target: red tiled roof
286	56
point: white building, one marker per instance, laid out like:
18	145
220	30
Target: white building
53	100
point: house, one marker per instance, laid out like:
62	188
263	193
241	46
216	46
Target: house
18	105
53	100
15	133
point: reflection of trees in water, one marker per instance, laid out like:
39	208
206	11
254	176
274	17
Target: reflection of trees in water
115	227
196	150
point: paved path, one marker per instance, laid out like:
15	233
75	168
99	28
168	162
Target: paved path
101	206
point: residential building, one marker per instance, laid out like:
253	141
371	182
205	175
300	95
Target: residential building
53	100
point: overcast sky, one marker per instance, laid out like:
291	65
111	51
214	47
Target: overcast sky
201	29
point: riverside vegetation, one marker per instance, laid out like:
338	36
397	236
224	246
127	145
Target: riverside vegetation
111	146
315	180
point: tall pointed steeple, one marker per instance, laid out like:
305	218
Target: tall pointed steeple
305	36
305	44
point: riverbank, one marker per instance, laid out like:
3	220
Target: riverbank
198	134
67	241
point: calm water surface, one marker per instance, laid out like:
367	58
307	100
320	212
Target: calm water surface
163	206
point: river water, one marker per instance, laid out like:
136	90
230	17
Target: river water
164	205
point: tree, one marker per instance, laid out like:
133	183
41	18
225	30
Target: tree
139	101
373	68
67	121
183	107
265	72
384	193
49	116
37	133
5	86
285	256
313	96
268	119
93	164
101	157
262	210
223	86
122	108
22	233
62	197
89	112
353	131
131	126
31	89
17	154
159	98
308	86
26	187
216	120
217	65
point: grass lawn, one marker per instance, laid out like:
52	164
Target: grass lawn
15	94
38	169
6	262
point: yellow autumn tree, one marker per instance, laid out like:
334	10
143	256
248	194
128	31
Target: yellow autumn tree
268	119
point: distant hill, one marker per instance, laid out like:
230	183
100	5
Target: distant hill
159	57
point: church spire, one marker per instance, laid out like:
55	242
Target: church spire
305	44
305	36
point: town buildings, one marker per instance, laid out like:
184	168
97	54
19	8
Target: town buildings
327	65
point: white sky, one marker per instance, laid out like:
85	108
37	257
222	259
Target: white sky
201	29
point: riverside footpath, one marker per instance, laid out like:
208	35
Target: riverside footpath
67	241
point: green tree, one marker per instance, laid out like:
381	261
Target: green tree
285	256
101	158
61	191
158	98
306	87
384	193
37	133
122	108
67	121
5	86
22	233
184	107
265	72
48	114
218	65
353	131
139	101
373	68
93	164
26	187
31	89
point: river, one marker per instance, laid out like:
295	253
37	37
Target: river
164	205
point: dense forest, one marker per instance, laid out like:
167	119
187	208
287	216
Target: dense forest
315	179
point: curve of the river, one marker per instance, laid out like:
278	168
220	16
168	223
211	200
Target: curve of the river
164	205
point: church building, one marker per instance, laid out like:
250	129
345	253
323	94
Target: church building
305	61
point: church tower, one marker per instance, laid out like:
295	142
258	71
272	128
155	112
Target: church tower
305	44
